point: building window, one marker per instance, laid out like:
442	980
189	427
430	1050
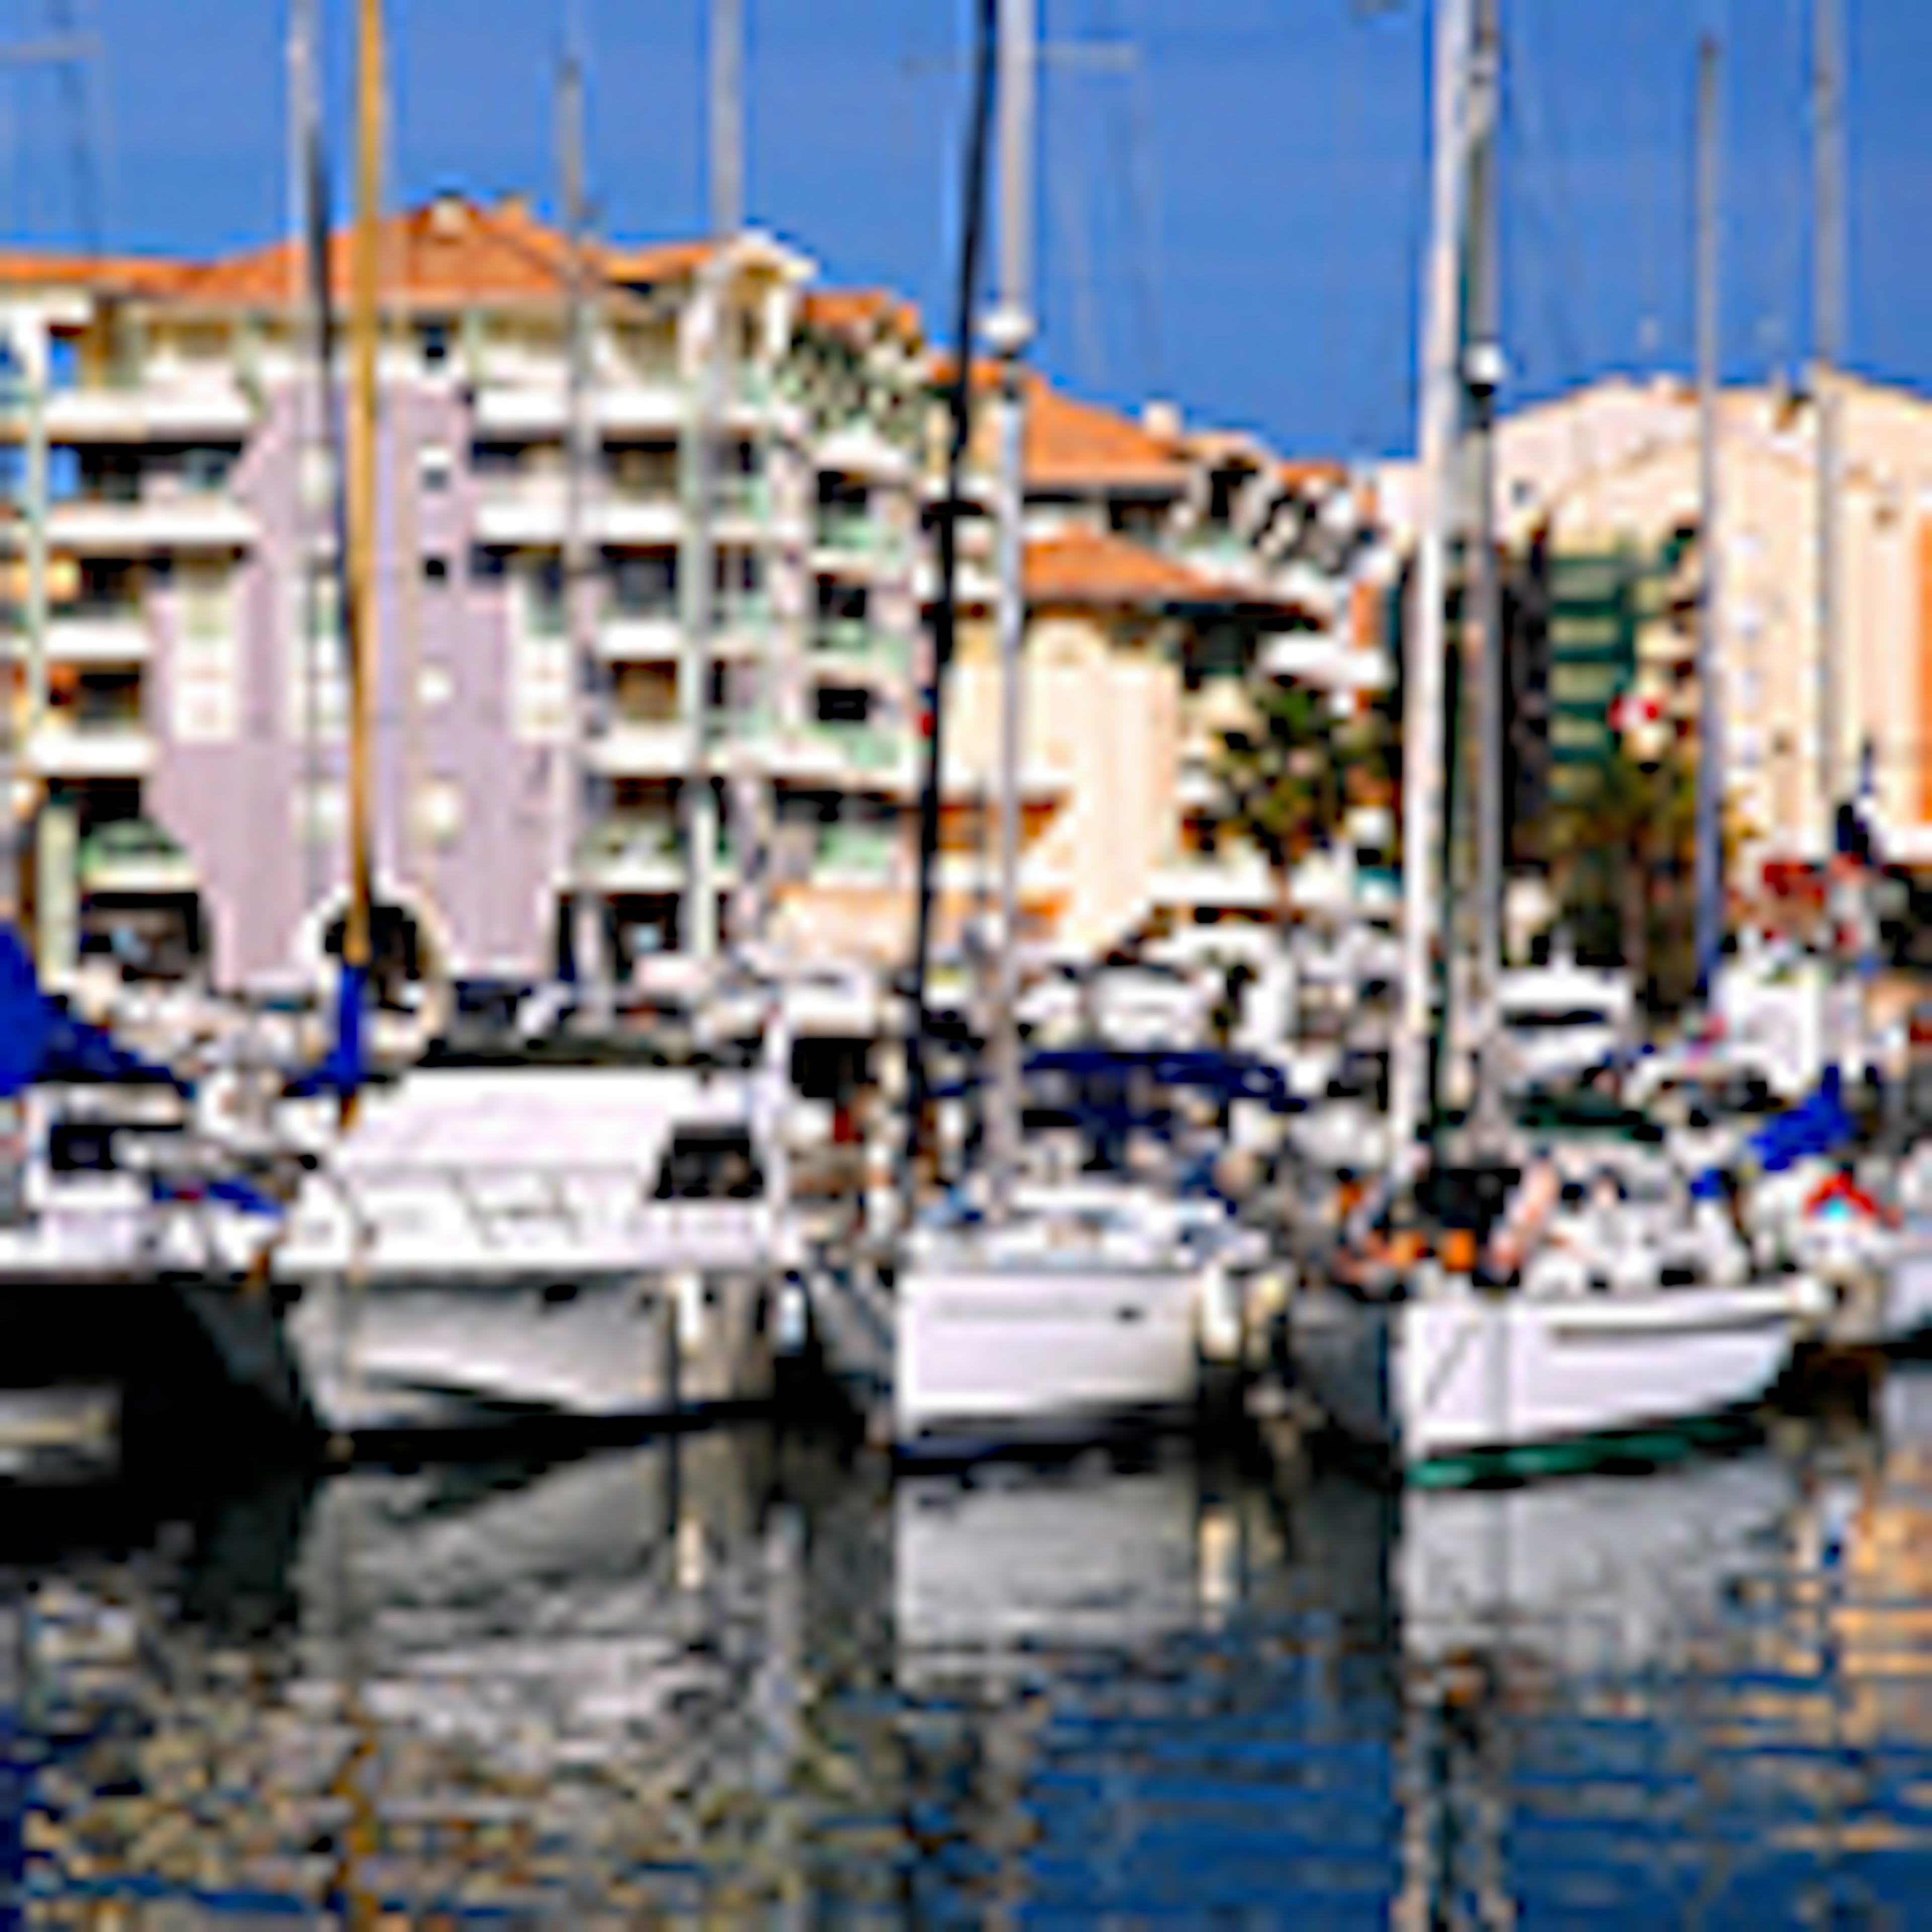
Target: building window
435	687
436	464
435	571
488	566
644	587
206	471
433	339
843	704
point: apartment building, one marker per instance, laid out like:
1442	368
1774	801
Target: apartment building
189	732
1169	576
1610	475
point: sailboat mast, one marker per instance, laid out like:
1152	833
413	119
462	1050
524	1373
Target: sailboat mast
582	928
1439	403
1828	325
304	187
1482	376
1008	330
362	601
748	679
1710	858
945	611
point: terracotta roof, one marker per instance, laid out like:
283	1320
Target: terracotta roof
1084	566
862	313
1075	445
25	268
656	261
1070	444
448	251
1295	472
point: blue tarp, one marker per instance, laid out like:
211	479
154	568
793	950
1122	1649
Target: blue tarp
41	1040
23	1016
1234	1075
343	1071
1818	1125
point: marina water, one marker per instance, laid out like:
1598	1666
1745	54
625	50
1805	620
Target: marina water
738	1677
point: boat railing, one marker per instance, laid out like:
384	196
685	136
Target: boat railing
579	1205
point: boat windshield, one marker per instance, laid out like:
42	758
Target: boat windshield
710	1164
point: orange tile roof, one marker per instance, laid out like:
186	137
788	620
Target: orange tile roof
655	261
25	268
1075	445
1072	445
1085	566
448	251
862	313
1295	472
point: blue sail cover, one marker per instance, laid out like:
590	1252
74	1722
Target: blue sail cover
23	1016
1816	1126
41	1040
341	1071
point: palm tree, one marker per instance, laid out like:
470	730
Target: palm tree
1623	857
1283	778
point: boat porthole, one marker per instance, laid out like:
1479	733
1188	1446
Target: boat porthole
556	1294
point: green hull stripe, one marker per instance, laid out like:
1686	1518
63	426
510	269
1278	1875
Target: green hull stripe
1576	1454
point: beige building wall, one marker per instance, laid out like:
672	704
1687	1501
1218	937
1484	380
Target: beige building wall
1620	463
1100	733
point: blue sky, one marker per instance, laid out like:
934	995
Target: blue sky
1232	220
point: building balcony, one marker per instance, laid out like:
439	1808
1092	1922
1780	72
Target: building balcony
640	855
537	406
135	856
860	757
534	511
100	527
857	449
113	634
109	412
638	639
850	641
72	746
633	746
847	856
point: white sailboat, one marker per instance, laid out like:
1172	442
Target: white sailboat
1621	1336
1059	1313
574	1238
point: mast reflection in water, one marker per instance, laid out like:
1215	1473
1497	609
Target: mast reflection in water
726	1678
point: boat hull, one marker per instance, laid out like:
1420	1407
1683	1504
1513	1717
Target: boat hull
1909	1283
1464	1385
404	1353
991	1355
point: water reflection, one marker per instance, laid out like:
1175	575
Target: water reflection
726	1678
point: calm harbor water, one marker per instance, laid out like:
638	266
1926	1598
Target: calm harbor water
731	1678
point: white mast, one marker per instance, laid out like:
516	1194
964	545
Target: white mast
1828	326
1711	722
1008	330
1439	403
585	923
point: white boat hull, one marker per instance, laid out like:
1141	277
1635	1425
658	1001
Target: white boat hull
989	1351
400	1353
1463	1374
1908	1285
